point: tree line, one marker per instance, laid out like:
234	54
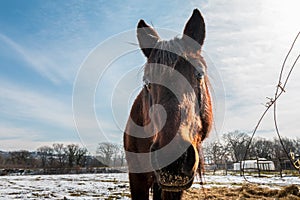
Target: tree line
233	145
57	158
61	158
231	148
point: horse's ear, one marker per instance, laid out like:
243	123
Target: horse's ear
147	37
195	27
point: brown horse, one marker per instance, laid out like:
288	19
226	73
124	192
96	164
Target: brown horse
172	114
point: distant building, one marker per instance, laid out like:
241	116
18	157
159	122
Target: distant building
263	165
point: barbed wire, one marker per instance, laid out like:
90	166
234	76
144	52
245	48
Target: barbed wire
280	89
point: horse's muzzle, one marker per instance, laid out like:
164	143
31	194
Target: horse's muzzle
179	175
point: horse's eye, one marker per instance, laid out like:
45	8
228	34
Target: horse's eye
200	76
199	72
147	84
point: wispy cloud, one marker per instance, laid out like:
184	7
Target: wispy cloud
34	60
9	132
21	103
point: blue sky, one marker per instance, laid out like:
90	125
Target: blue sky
44	43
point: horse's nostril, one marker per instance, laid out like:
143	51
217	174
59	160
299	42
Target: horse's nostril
189	161
154	147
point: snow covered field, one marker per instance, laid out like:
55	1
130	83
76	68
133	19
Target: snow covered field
83	186
103	186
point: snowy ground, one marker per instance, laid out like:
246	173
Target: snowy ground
103	186
272	181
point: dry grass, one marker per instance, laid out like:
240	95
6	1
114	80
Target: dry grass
247	191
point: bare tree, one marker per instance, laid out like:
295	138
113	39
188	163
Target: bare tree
214	152
46	156
236	143
75	155
70	151
21	158
261	148
118	156
2	161
106	152
59	151
80	156
122	156
281	157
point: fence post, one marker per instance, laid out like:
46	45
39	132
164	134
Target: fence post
258	169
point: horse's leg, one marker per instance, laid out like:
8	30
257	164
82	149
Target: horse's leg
172	195
156	192
139	186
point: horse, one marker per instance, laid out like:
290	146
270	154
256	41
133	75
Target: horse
172	114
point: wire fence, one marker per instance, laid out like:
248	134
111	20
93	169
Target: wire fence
280	89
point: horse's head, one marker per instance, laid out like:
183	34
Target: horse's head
176	87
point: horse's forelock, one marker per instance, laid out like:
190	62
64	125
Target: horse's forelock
167	52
